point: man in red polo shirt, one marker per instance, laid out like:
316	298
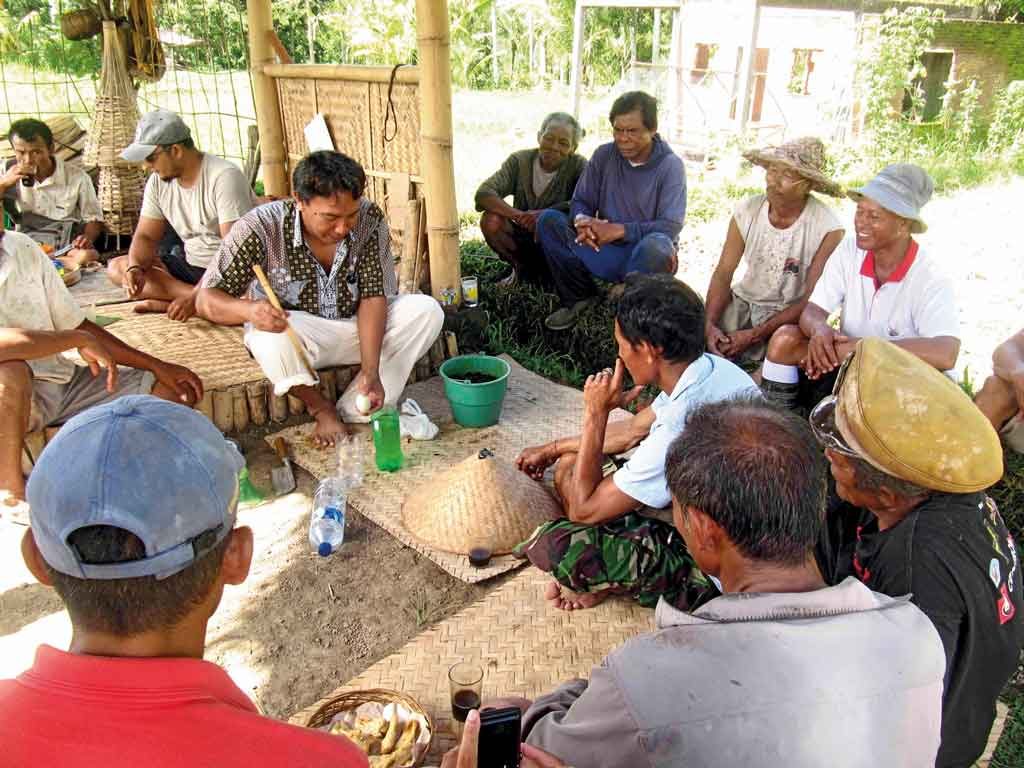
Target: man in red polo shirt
139	544
883	283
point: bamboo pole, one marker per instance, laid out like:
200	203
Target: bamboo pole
355	72
436	142
576	73
268	106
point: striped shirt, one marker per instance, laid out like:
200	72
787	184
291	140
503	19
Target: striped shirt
271	236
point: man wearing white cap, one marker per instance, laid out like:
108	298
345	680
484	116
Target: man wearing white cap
883	283
198	194
784	237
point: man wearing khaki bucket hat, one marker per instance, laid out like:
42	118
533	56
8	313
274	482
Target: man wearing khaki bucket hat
784	237
882	282
911	456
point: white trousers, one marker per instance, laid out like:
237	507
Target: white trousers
413	323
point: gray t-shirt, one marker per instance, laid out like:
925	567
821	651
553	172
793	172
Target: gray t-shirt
220	194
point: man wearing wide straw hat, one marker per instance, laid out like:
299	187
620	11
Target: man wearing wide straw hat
911	456
784	236
883	283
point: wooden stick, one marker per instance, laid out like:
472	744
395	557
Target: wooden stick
292	336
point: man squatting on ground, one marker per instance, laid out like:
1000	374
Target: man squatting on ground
327	255
1001	399
886	287
198	195
911	456
139	545
60	198
611	540
783	237
537	179
781	669
39	386
626	213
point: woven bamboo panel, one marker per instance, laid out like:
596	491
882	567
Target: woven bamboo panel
402	152
535	411
525	647
345	107
298	107
215	352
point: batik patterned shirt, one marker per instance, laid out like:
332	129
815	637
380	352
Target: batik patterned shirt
271	236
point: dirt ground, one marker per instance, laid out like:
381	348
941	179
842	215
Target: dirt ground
302	625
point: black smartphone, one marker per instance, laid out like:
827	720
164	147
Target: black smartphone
499	738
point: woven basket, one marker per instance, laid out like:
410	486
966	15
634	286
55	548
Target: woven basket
343	702
81	24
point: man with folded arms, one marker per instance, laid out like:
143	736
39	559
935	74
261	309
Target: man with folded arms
133	524
912	456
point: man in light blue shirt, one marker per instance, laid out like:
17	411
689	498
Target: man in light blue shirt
610	541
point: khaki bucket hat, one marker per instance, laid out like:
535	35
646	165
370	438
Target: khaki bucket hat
805	156
912	422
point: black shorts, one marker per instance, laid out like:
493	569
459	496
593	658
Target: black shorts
174	260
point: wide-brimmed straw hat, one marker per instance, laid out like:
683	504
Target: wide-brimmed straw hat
805	156
901	188
481	501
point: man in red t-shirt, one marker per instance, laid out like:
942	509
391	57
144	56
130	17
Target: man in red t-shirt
133	514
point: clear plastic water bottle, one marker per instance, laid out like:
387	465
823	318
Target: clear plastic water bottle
327	523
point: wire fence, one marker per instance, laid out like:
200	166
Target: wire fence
38	79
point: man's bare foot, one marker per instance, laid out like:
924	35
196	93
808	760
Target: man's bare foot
79	257
566	600
329	428
151	305
182	309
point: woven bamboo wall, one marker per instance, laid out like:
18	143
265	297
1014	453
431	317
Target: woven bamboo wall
354	103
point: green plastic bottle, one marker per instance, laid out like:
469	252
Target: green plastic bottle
387	439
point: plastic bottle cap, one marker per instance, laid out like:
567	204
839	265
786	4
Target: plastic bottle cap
324	549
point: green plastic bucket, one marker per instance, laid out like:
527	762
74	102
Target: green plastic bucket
475	405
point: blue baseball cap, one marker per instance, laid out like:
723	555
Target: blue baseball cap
155	468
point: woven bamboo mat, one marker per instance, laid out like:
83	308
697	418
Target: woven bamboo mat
214	352
525	647
96	289
535	411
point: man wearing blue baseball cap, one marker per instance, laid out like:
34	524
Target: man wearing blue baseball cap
139	545
883	284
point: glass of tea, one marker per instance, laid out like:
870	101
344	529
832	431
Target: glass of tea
465	681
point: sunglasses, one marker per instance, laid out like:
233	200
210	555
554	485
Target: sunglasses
823	418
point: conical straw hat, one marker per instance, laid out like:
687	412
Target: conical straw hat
481	501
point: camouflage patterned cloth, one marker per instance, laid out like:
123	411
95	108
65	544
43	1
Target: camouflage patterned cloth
633	555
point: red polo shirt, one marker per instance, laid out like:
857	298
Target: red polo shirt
84	711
